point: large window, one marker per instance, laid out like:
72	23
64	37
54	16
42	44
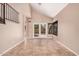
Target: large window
55	28
50	28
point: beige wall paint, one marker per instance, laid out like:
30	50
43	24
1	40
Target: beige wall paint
23	8
11	33
37	18
68	26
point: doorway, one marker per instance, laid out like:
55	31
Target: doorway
39	30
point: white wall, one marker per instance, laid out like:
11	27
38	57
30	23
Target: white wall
37	18
11	33
68	27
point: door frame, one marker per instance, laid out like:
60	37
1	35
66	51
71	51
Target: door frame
40	36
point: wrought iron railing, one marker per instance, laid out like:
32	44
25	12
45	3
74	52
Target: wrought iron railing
7	12
11	13
2	13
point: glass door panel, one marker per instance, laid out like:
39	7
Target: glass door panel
39	30
43	29
36	30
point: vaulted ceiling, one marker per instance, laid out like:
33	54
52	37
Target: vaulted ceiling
48	9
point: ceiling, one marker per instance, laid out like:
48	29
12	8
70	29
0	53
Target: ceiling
48	9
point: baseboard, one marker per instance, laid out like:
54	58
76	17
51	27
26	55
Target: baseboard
67	47
11	48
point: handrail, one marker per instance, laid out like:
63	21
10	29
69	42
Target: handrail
12	7
7	12
11	13
2	13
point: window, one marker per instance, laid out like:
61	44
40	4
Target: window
55	28
50	28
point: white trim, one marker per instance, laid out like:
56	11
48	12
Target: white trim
11	48
67	47
40	36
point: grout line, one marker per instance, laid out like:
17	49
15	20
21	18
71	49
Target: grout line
11	48
66	47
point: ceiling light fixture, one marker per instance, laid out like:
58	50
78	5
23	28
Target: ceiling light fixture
39	3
